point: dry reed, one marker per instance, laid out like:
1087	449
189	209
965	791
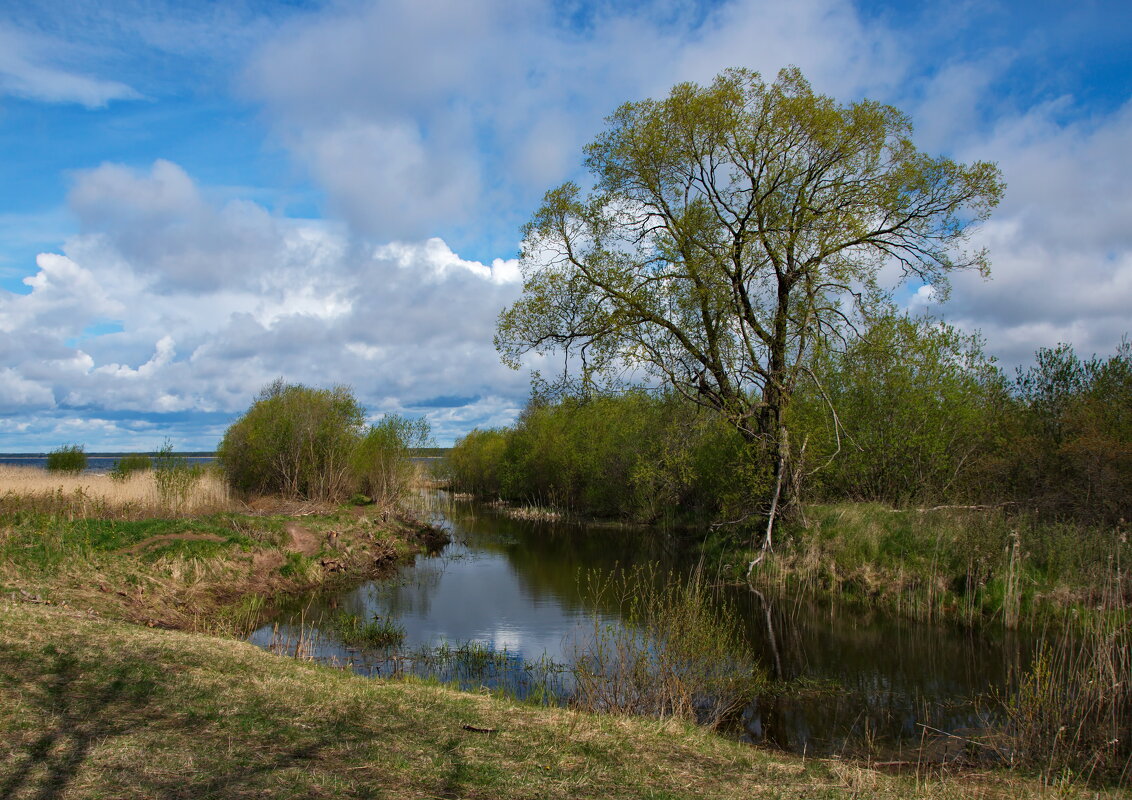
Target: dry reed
97	494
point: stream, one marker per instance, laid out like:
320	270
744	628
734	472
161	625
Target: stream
504	606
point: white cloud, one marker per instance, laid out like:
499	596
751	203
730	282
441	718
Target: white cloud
1060	243
26	71
304	300
409	145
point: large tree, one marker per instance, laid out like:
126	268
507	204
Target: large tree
730	227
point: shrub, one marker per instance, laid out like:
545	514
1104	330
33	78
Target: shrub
295	441
126	466
68	458
382	462
313	444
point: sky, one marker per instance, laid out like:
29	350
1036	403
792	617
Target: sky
197	198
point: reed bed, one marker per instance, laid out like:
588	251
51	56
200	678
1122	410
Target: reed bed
97	494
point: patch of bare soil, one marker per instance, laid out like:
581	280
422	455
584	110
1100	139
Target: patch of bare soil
303	540
157	541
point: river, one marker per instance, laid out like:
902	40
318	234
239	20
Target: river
505	602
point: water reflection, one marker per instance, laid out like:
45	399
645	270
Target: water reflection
516	589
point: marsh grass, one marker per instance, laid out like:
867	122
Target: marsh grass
677	651
1069	714
972	565
354	630
102	495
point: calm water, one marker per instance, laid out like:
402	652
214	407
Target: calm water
513	589
94	463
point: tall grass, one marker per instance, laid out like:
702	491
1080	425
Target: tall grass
1070	713
972	565
678	650
101	495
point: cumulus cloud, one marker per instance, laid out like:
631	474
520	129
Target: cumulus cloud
211	300
409	146
1060	243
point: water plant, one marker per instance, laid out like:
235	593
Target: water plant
678	650
354	630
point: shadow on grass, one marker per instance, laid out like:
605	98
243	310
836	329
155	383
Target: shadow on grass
77	707
81	717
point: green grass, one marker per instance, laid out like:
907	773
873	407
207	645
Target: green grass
353	630
973	565
91	708
186	572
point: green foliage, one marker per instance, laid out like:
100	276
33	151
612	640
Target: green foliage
174	477
632	456
294	441
907	413
382	462
313	444
1070	453
126	466
67	458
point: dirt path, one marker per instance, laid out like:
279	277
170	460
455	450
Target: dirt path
303	540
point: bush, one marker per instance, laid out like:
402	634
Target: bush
917	405
632	455
126	466
68	458
296	442
313	444
382	463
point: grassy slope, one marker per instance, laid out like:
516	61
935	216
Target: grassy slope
95	708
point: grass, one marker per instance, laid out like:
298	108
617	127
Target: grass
95	494
94	708
215	572
377	631
971	565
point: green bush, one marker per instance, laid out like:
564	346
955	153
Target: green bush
382	463
633	455
68	458
126	466
296	442
314	444
917	405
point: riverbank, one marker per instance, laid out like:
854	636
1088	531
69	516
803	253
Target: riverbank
217	571
94	707
975	565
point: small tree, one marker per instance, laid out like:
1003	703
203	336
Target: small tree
733	227
67	458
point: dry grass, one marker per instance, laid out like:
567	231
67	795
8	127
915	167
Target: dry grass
90	708
97	494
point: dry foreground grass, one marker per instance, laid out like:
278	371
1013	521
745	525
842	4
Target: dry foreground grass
93	704
97	708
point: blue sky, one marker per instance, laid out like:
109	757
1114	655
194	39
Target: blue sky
196	198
